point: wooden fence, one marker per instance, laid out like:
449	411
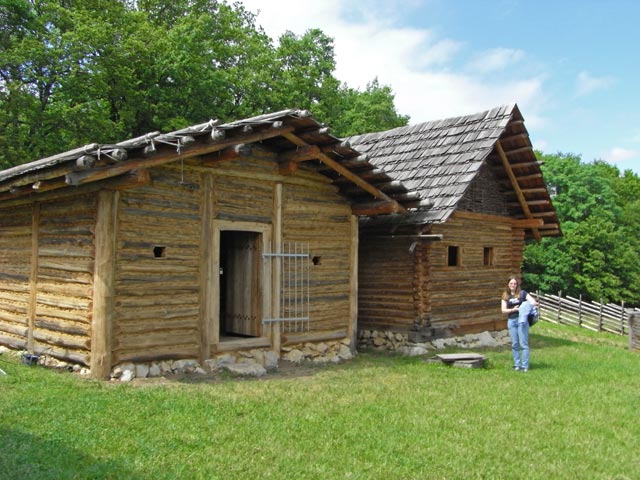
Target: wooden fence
634	331
595	316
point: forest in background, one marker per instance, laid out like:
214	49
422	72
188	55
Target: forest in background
76	72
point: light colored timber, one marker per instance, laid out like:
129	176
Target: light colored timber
104	284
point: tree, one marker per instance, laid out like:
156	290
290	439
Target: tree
596	206
372	110
73	73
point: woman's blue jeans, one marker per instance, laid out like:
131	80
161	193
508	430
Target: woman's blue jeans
519	332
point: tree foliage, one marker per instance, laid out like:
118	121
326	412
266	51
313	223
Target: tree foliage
75	72
600	216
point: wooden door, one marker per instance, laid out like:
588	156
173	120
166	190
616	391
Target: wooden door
240	281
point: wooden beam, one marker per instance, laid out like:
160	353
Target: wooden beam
272	291
353	285
543	214
208	272
515	151
169	154
517	136
528	223
227	154
33	274
535	176
531	203
324	158
104	284
373	208
516	187
301	154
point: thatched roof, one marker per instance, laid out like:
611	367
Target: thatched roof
293	134
441	160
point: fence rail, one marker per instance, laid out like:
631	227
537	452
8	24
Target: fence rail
595	316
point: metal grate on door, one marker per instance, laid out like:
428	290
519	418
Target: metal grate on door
292	266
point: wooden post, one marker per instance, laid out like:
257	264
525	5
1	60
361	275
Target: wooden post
276	269
33	275
104	284
622	318
559	305
580	311
208	272
600	317
353	285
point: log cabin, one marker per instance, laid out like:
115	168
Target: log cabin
217	238
440	270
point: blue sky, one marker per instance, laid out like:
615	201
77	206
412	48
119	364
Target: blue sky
572	66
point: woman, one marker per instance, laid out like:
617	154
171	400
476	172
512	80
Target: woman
517	304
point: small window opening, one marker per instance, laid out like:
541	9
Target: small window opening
316	260
488	257
453	259
158	251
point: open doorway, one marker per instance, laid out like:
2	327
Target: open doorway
240	290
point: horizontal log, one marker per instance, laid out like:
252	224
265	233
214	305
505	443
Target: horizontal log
62	353
241	344
155	339
17	343
303	337
18	330
60	341
180	352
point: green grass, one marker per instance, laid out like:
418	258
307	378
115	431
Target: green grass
574	415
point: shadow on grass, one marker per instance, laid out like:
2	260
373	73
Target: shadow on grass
23	455
538	340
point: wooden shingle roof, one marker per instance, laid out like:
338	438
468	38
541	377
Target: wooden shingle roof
439	161
294	135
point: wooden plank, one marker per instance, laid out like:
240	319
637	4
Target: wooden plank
273	289
33	275
208	303
352	331
304	337
104	284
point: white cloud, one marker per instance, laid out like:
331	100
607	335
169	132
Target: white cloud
495	59
618	155
416	63
586	83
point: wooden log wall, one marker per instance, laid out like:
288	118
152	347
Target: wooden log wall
466	298
157	279
65	262
388	291
322	218
15	274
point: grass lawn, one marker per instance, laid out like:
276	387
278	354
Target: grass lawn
574	415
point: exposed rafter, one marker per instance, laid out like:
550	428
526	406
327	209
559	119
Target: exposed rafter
395	207
516	187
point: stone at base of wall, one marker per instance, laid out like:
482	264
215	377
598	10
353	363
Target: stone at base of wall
399	342
253	363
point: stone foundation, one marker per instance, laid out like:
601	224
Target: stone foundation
254	363
399	342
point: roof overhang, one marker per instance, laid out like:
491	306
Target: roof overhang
292	135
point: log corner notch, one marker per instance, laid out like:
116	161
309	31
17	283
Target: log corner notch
529	221
304	152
